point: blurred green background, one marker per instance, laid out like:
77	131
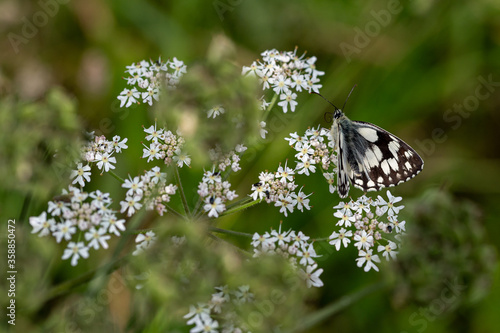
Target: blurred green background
420	68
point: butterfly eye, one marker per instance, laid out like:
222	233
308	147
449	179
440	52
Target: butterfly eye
337	114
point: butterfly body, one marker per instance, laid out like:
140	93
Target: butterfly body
369	157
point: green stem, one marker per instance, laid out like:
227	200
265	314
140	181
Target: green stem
181	191
270	107
238	208
173	211
239	202
229	232
121	180
68	286
335	307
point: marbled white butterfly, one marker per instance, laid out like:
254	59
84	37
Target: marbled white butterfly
370	157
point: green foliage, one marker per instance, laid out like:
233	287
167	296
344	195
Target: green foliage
446	245
38	140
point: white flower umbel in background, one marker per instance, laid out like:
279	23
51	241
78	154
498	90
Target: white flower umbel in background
220	313
213	191
165	146
150	190
147	79
285	74
293	246
76	212
369	225
97	151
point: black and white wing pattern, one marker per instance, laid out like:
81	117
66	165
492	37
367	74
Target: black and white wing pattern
370	157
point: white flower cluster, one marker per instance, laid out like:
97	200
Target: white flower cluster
221	306
152	188
98	151
75	214
293	246
363	222
285	73
222	161
279	187
165	146
149	77
312	149
215	193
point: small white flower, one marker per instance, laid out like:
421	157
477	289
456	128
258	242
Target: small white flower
112	225
144	241
367	259
215	111
81	174
363	240
306	165
135	186
131	204
285	203
311	276
41	225
307	253
119	145
389	252
281	85
104	161
300	199
75	251
342	237
288	99
389	206
214	206
264	240
206	325
152	152
97	238
181	159
127	97
153	133
149	95
346	218
64	230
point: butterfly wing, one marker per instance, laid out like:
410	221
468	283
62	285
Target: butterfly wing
373	158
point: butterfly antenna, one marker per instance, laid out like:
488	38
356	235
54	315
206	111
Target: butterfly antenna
343	106
336	108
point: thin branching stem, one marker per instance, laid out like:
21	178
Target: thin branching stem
181	191
120	179
335	307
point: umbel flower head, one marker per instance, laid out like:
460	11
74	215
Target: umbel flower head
77	212
286	74
147	78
